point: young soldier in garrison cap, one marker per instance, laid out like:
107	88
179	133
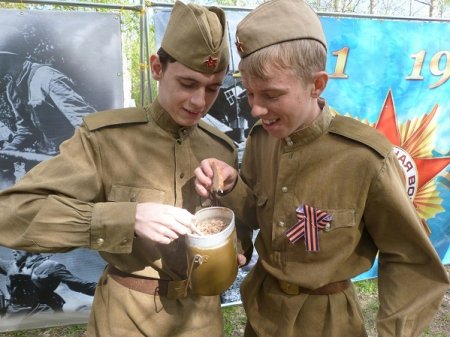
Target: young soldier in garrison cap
326	193
123	185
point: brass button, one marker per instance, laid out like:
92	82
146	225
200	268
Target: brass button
284	189
281	224
327	227
124	241
289	141
181	175
100	241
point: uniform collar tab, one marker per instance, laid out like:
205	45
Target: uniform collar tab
313	131
163	119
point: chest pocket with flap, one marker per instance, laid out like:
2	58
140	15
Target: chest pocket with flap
341	218
135	194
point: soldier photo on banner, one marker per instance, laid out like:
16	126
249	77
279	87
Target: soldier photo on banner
31	283
47	84
41	289
40	104
55	69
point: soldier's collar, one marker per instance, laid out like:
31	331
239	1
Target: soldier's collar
33	259
163	119
22	76
311	132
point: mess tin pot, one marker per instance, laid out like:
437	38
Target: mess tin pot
212	258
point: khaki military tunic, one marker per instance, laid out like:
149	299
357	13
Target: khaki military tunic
86	197
348	170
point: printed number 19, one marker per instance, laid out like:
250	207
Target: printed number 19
434	67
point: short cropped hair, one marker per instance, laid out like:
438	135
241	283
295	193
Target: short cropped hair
165	58
305	57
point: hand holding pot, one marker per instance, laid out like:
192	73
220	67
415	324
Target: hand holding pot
162	223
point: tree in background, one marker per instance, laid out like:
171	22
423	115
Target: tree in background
423	8
132	31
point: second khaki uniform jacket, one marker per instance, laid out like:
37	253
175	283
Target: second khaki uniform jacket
348	170
87	196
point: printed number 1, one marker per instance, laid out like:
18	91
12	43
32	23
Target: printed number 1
434	67
340	63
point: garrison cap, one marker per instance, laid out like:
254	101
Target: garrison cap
278	21
196	36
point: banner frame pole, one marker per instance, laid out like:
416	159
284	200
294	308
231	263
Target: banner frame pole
136	8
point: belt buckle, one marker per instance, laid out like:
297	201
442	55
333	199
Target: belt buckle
289	288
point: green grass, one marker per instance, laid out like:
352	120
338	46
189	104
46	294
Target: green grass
367	287
234	318
367	291
78	330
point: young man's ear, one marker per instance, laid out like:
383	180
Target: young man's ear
320	82
156	67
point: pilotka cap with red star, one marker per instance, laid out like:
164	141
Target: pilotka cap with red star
196	36
278	21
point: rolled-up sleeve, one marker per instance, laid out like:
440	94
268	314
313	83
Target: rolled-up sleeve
60	205
412	280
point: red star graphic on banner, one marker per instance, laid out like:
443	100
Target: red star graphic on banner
211	62
428	168
412	142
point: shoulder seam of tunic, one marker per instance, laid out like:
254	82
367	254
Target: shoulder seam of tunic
115	117
215	132
362	133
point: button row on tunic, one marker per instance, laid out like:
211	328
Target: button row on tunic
182	133
289	141
101	241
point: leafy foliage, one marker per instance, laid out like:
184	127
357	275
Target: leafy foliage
132	15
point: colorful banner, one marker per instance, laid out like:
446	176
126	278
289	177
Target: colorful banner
393	75
389	73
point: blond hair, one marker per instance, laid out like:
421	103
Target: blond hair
305	57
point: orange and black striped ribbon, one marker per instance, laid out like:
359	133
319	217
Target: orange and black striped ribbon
310	221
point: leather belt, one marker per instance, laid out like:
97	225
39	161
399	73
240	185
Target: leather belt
157	287
328	289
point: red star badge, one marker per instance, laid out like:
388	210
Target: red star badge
211	62
239	45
